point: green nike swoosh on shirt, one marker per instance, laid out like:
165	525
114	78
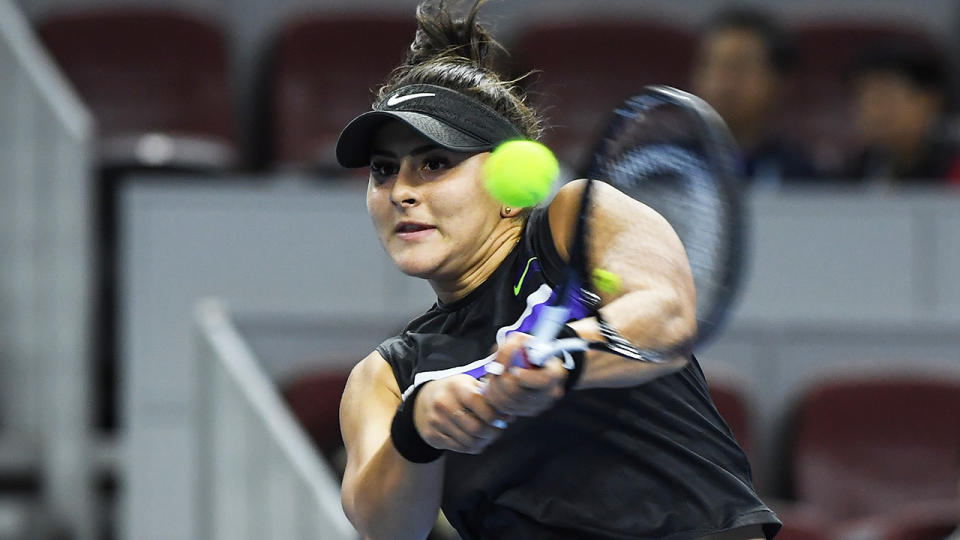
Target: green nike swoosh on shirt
516	288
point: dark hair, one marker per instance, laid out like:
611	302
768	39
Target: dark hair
919	64
781	49
458	53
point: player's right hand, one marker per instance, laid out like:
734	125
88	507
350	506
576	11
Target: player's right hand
452	414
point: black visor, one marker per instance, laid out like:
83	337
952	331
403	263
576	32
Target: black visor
446	117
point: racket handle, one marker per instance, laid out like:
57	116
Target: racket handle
537	355
551	319
549	322
518	360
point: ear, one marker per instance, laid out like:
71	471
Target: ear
510	212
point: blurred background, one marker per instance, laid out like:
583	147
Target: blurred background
157	154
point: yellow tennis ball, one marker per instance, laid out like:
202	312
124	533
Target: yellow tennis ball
606	281
520	173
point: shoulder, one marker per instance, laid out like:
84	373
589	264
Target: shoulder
611	211
371	375
404	351
400	348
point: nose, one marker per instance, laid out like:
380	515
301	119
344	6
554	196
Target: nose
405	192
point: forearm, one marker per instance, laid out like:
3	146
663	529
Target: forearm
652	320
391	498
383	494
605	370
654	304
657	319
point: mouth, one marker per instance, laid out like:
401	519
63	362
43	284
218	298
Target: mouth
412	229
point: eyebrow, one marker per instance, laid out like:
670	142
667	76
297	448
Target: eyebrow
416	151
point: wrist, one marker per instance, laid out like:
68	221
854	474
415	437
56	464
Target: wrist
612	341
587	329
404	435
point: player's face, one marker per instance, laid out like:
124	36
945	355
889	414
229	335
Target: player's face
429	206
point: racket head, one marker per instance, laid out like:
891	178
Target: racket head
670	150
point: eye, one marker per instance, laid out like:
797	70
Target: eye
435	163
383	169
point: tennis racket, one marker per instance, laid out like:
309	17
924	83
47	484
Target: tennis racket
670	150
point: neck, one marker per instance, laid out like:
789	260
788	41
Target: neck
493	251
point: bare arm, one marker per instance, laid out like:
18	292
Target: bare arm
654	309
656	305
384	495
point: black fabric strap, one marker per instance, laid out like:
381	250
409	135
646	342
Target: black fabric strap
406	439
579	359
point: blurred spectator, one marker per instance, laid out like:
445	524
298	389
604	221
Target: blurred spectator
901	95
743	66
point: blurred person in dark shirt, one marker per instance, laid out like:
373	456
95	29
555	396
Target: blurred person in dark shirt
743	66
901	95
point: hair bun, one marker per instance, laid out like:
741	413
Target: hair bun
459	54
440	35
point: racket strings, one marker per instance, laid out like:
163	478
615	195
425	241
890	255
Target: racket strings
667	153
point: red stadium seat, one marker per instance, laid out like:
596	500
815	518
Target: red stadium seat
817	109
866	446
935	528
932	520
802	522
801	532
585	68
323	72
315	401
156	81
729	397
798	530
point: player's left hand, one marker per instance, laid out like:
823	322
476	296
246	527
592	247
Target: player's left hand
524	391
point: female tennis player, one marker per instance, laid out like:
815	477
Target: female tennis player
596	446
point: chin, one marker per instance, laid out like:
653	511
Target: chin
417	260
414	267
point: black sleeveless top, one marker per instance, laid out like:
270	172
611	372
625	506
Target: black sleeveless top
651	461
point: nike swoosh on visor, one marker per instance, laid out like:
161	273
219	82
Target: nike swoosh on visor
396	100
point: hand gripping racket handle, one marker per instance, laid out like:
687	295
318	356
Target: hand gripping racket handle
540	354
544	344
554	348
551	318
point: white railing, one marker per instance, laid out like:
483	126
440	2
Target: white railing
258	475
46	276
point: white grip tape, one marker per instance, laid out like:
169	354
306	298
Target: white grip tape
551	319
494	368
539	354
